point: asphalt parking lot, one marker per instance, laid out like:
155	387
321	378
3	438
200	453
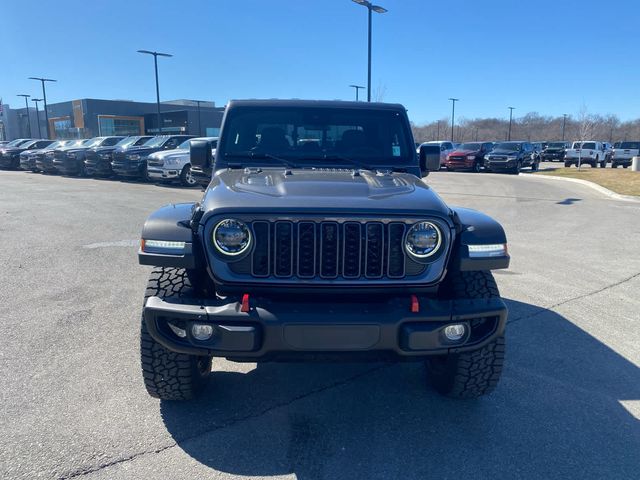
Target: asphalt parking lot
73	405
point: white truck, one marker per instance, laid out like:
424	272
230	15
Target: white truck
174	165
588	152
623	153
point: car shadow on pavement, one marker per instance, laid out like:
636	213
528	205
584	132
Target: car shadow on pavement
560	411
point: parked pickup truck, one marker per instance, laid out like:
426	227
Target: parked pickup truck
623	152
590	152
555	151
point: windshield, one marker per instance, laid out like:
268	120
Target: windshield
470	146
155	141
556	145
28	144
184	145
125	142
319	136
15	143
92	142
508	146
630	145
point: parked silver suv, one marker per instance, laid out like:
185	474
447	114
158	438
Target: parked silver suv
172	165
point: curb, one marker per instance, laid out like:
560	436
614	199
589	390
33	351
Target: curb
594	186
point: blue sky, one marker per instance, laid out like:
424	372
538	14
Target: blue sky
551	57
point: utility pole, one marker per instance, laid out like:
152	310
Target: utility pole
44	97
357	88
564	123
511	109
453	114
370	8
155	64
26	105
36	100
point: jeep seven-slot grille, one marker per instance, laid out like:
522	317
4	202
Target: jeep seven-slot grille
328	250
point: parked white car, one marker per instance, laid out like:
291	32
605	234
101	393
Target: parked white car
587	153
623	153
175	164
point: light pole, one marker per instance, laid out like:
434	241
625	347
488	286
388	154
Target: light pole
358	88
26	105
370	8
511	109
453	114
198	102
155	64
564	123
438	135
36	100
44	96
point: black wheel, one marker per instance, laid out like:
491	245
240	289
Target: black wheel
168	375
186	178
449	169
603	164
469	374
476	167
518	167
625	166
567	164
614	165
535	166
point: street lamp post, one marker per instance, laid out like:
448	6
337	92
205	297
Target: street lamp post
370	8
453	114
198	102
36	100
564	123
44	97
155	64
26	104
358	88
511	109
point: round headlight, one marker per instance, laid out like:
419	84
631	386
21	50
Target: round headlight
423	240
231	237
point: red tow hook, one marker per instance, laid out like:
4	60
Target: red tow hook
245	303
415	305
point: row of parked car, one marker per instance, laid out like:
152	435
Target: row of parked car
157	158
512	156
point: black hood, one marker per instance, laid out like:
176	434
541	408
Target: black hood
102	149
505	152
321	191
141	150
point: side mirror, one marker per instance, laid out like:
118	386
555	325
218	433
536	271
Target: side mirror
429	159
200	154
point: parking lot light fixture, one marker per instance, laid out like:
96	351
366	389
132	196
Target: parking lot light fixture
511	109
26	105
370	8
155	64
44	98
453	114
36	100
358	88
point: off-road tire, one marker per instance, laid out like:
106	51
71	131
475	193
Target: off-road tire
475	373
567	164
169	375
477	167
535	166
614	165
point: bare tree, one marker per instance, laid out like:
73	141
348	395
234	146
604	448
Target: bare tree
378	93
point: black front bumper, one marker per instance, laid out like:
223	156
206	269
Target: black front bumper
129	168
28	163
9	161
67	166
98	167
501	164
295	331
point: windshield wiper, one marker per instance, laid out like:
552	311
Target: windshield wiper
254	155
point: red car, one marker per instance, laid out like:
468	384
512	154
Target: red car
468	156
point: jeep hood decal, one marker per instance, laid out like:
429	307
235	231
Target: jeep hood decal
321	189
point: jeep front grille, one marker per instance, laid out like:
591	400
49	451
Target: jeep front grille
328	250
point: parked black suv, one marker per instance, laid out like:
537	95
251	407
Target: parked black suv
511	157
98	159
555	151
10	155
70	160
45	158
28	157
317	239
132	162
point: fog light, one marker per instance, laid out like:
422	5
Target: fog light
454	332
180	332
201	331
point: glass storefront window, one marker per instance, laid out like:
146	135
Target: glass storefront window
119	126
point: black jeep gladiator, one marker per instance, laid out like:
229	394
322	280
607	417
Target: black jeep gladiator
318	240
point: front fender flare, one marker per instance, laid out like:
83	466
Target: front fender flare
476	228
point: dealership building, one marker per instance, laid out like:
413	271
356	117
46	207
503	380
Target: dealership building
87	117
